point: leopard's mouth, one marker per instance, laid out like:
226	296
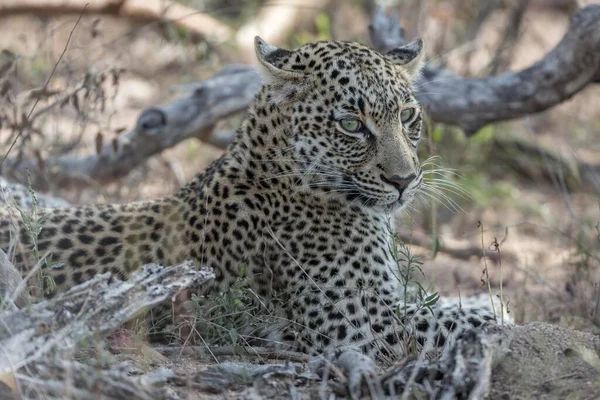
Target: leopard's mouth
355	193
366	196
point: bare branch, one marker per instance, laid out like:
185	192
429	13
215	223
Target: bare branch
225	351
466	367
462	253
144	11
158	128
385	31
473	103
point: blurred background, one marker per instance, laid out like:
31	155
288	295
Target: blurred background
519	182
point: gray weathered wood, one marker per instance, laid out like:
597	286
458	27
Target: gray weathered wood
57	378
10	278
95	307
563	72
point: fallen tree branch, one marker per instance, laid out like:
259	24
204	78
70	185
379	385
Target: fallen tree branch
227	351
95	307
466	366
158	128
236	376
30	337
138	10
538	163
468	103
462	253
61	379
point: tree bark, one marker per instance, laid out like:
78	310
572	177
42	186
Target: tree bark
96	307
472	103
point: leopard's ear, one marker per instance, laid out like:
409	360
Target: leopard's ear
273	62
409	57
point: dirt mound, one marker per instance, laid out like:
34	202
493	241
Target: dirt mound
548	362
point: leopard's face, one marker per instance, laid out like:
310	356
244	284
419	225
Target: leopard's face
354	121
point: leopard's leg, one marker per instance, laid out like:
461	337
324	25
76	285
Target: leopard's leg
462	371
436	329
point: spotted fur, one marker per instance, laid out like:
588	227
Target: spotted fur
302	204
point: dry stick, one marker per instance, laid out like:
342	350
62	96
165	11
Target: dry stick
501	296
45	85
264	352
486	272
464	253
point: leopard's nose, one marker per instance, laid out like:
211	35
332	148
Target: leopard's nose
399	182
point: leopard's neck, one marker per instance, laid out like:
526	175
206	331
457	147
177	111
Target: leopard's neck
262	143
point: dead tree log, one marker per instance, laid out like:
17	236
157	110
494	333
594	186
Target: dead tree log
472	103
469	103
466	367
36	341
96	307
62	379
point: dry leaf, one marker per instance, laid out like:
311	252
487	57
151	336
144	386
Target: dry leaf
40	160
75	102
95	31
8	378
99	142
151	355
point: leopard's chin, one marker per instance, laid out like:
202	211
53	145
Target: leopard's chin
400	204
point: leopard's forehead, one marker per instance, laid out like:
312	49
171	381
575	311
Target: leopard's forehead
344	70
341	57
325	51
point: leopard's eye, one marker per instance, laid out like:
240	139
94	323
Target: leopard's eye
406	115
351	125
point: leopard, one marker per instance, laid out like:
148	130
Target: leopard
302	198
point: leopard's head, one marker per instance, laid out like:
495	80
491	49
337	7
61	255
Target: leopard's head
351	118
